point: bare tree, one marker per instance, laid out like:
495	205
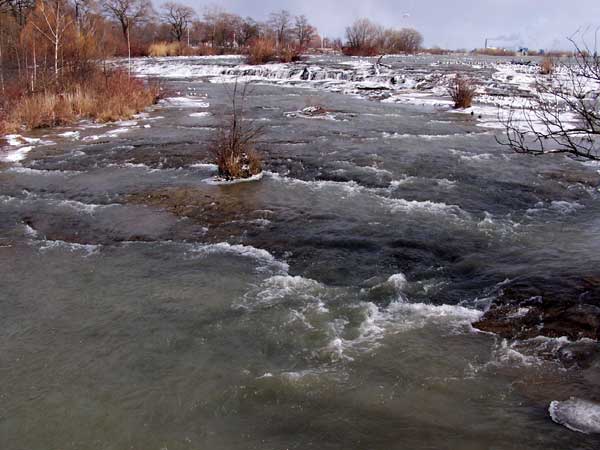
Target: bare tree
248	31
178	17
51	19
564	114
220	28
406	40
19	9
83	9
303	31
2	87
362	34
281	22
128	13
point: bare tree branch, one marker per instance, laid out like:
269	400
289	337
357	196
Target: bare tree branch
563	116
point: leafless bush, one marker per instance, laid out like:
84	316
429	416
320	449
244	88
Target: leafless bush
290	54
234	147
462	91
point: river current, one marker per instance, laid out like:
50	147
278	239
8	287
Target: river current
327	305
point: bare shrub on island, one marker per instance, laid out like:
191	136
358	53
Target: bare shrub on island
290	54
462	90
547	66
264	50
234	146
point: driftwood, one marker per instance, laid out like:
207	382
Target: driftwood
380	64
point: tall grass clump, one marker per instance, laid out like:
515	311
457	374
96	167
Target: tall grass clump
104	96
462	90
261	51
159	49
234	146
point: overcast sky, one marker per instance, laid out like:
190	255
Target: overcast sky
447	23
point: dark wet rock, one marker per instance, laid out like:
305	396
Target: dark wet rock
378	87
524	312
584	355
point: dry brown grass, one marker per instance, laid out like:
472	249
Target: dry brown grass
159	49
261	51
547	66
462	90
104	97
204	50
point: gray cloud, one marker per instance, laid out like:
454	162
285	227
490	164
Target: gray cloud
447	23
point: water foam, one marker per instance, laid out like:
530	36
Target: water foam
248	251
578	415
86	249
18	155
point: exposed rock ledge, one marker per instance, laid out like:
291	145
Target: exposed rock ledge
522	311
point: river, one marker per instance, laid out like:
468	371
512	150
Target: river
326	306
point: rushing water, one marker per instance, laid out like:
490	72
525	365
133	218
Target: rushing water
326	306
